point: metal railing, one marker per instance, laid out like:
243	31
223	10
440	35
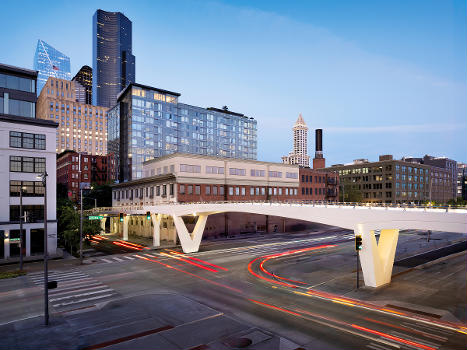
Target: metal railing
289	202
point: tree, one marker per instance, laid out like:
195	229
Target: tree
103	194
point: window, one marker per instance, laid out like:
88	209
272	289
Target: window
35	213
27	164
197	189
230	191
158	190
243	191
235	171
263	191
30	188
182	189
208	190
257	173
275	174
237	191
185	168
214	190
214	170
190	189
26	140
291	175
221	190
171	189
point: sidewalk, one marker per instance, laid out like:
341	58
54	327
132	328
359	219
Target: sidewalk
155	321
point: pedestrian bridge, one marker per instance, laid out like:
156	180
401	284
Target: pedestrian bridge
377	258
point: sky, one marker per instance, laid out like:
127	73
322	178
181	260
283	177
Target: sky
380	77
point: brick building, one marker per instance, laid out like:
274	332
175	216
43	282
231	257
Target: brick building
394	181
317	185
94	169
82	127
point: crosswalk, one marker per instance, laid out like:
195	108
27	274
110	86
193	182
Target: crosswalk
251	250
74	289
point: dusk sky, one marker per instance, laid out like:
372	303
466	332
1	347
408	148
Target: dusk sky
380	77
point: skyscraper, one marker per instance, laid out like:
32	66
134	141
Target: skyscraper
84	77
113	64
50	62
299	155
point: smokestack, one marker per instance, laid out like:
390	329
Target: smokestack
319	143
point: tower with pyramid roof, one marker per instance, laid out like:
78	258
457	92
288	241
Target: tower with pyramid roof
299	155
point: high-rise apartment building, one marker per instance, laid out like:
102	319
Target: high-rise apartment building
27	150
50	62
84	77
82	127
148	123
299	155
113	63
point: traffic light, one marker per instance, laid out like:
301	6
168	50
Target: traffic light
148	215
121	217
358	243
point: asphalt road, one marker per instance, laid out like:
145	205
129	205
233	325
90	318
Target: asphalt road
235	277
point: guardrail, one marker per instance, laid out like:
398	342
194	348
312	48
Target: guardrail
290	202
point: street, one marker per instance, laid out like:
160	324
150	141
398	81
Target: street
259	281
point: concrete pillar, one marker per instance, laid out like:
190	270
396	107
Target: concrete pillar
156	234
6	244
125	222
377	259
103	224
190	242
28	241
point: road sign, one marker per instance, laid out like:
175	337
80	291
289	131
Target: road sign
96	217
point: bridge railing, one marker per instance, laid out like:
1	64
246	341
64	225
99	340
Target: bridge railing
290	202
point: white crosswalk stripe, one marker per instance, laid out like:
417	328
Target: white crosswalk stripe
74	289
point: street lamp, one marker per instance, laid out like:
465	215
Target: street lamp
21	236
43	177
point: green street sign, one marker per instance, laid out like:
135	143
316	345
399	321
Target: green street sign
96	217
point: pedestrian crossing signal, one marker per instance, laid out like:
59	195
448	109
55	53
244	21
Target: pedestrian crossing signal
358	243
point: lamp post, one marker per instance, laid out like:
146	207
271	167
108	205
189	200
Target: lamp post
21	239
43	176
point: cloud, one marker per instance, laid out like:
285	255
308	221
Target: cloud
415	128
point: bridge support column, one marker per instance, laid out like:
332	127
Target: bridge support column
156	234
103	224
377	259
125	222
190	242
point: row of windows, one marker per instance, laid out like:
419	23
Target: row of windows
309	191
30	188
17	107
17	83
161	190
34	213
26	140
27	164
309	178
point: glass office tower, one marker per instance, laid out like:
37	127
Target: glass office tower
50	62
113	64
148	123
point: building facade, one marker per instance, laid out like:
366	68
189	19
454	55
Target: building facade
17	91
50	62
299	155
461	191
149	122
95	169
113	63
317	185
84	78
393	181
27	149
82	127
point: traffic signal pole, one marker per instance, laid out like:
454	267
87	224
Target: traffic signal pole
358	247
358	268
